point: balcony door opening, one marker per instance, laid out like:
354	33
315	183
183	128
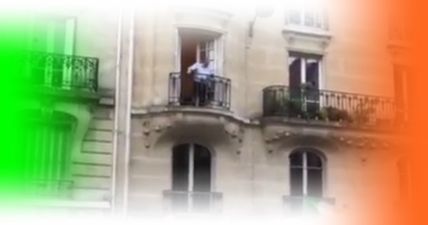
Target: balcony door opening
304	82
195	46
191	177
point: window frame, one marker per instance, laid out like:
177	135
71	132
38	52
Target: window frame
402	72
297	16
191	152
305	168
49	24
218	48
46	130
304	59
190	172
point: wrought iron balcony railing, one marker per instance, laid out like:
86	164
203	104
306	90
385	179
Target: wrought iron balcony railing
333	106
212	92
65	72
184	201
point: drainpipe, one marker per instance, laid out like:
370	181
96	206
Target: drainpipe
129	107
116	110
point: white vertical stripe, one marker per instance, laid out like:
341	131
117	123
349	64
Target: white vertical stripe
305	174
190	187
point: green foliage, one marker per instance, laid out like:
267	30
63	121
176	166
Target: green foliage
337	115
362	112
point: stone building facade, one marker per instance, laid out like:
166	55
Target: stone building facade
293	119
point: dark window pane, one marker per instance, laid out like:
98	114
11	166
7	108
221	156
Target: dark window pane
294	70
315	182
313	160
312	73
202	169
180	168
311	91
296	179
296	159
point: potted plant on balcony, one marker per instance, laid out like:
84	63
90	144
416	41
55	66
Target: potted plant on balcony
336	115
309	102
362	112
295	108
322	114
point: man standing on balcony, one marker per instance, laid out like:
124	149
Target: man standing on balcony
202	72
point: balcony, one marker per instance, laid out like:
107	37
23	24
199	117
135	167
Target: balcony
307	204
330	107
213	92
184	201
48	71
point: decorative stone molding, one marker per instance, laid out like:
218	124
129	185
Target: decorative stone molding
235	133
399	52
362	142
171	125
306	41
276	137
202	18
153	128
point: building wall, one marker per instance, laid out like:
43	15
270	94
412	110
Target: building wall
356	59
251	166
251	172
251	176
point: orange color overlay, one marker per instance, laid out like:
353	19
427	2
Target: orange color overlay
413	210
418	20
415	15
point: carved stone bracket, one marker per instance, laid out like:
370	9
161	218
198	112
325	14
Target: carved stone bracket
236	133
275	137
182	126
153	128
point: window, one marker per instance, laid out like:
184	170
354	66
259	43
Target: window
196	45
53	35
401	88
304	81
53	38
398	29
306	15
206	50
304	69
43	148
191	178
306	177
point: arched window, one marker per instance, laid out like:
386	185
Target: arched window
306	174
191	177
42	144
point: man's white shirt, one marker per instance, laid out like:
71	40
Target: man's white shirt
201	71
